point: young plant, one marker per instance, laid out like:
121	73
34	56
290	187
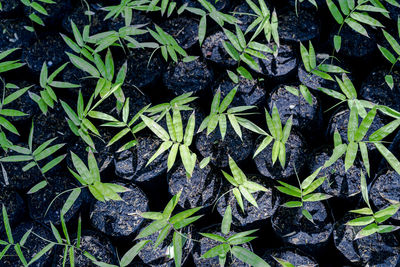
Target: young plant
5	112
164	223
10	243
47	95
175	139
372	222
219	112
242	186
388	55
219	17
240	50
34	156
349	95
266	22
168	45
35	6
323	69
298	2
89	176
304	193
78	121
9	65
232	244
157	113
279	134
354	14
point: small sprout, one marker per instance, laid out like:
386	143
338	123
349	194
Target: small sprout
242	186
304	193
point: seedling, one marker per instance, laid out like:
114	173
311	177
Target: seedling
164	223
389	55
242	186
33	156
323	69
35	6
349	95
304	193
219	112
354	15
373	221
278	134
168	45
232	244
89	176
10	239
175	139
47	95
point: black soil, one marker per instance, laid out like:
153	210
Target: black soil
120	218
184	77
201	189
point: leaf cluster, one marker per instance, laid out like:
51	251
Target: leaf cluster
242	186
232	244
164	223
278	133
304	193
372	221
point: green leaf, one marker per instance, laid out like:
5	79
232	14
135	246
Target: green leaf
37	187
384	131
7	226
248	257
155	128
178	243
202	29
293	204
227	100
386	213
365	124
362	211
132	253
70	200
288	191
356	26
307	214
366	19
183	215
238	174
83	65
227	221
307	182
316	197
368	230
334	11
231	51
216	251
247	195
305	57
306	94
238	197
214	237
351	154
189	131
161	149
361	221
391	159
265	142
152	228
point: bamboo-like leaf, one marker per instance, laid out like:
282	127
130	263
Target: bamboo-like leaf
155	128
